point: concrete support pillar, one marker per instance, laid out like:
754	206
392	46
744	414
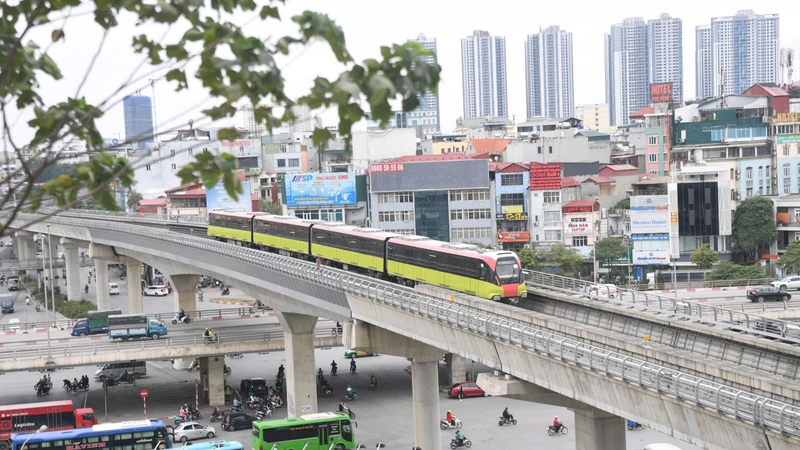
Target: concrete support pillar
23	246
301	384
47	247
216	380
135	304
456	368
72	260
425	398
103	297
598	430
184	287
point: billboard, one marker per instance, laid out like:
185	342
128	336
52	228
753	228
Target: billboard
513	236
660	92
788	139
429	176
545	177
578	229
218	198
651	257
650	214
320	189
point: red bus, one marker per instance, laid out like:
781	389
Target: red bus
27	418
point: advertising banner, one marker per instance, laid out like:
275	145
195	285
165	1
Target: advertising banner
218	198
545	177
650	214
320	189
651	257
660	92
513	236
578	229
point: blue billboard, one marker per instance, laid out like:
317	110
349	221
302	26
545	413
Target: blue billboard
217	198
320	189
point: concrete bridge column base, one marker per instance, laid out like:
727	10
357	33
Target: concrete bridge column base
23	246
301	384
133	269
216	380
184	287
598	430
456	368
182	363
103	298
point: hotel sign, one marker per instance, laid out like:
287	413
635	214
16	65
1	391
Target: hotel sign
790	117
661	93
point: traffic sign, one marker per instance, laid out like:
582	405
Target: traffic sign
143	394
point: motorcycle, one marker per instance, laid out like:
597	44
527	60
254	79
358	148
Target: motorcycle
444	424
226	370
551	430
352	369
631	425
217	414
42	389
254	403
226	291
349	397
263	411
184	319
38	308
454	443
277	403
504	421
237	406
195	365
348	411
211	339
68	386
373	385
111	382
334	369
235	355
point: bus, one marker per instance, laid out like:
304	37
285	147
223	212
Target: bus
135	435
216	445
27	418
310	432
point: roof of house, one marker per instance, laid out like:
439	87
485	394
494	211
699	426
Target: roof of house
490	145
600	180
569	182
642	112
772	89
645	179
185	187
423	158
618	167
578	203
499	166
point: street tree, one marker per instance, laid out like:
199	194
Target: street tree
567	259
726	270
754	227
529	259
203	45
133	199
789	262
610	249
267	206
703	257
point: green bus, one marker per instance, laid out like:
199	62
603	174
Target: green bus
310	432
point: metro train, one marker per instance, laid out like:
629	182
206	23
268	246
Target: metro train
408	260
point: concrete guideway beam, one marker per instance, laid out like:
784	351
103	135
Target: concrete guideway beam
185	287
498	385
301	384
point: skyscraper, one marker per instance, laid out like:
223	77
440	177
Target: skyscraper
483	75
745	49
638	54
138	112
429	101
703	65
548	74
665	54
626	69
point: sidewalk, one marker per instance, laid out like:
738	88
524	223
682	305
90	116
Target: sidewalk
715	289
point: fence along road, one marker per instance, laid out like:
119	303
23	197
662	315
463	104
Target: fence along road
759	410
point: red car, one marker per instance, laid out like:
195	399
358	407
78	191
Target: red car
470	389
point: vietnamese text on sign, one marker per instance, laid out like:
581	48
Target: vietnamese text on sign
320	189
545	177
660	93
394	167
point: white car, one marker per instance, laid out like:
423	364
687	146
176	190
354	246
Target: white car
13	325
787	283
156	290
113	289
189	431
602	290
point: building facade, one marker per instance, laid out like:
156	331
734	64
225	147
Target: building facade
511	182
483	75
745	49
581	220
549	84
786	135
626	69
665	54
594	117
443	144
429	101
138	112
704	81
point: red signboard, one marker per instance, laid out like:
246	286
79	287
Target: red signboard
143	394
513	236
393	167
545	177
661	93
576	209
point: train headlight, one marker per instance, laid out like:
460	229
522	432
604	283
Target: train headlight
524	295
496	298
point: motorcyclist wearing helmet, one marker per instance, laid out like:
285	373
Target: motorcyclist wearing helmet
181	315
350	391
557	424
450	418
506	415
460	438
373	380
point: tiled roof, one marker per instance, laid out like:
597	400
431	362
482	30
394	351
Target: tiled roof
643	111
600	180
575	203
617	167
569	182
490	145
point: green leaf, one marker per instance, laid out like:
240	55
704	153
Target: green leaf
320	137
228	134
179	76
57	34
269	11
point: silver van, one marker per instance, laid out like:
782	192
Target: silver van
139	368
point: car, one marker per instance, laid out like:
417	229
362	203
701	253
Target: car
113	289
763	293
357	354
470	389
188	431
258	386
9	243
237	421
602	290
14	325
157	290
787	283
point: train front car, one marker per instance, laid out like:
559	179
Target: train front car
508	276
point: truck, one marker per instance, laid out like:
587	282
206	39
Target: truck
135	326
29	417
7	303
95	322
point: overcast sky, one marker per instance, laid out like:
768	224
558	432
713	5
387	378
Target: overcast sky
369	24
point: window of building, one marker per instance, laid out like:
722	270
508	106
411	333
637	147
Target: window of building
512	199
147	167
511	179
551	197
748	173
174	167
577	219
654	157
469	196
749	193
786	150
580	241
552	235
294	162
172	152
470	214
551	216
539	150
281	163
652	140
471	233
283	148
785	187
408	231
396	216
396	197
550	149
760	171
787	170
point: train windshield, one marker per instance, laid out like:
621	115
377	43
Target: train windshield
508	271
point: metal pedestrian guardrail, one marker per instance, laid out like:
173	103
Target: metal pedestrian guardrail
736	320
742	405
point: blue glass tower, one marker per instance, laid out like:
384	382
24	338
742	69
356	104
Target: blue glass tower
138	120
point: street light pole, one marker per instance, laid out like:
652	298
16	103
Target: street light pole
41	428
594	244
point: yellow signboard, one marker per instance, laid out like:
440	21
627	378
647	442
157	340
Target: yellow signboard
787	117
673	218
